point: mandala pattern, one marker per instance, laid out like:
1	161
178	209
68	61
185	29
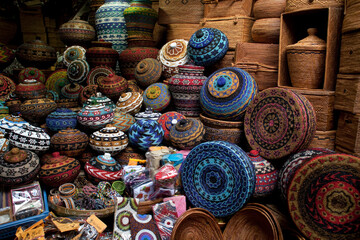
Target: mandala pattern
279	122
157	96
145	133
125	209
227	93
219	177
78	70
143	227
57	80
294	162
207	46
324	197
74	53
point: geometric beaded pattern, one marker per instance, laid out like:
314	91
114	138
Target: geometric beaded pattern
110	23
145	133
219	177
227	93
30	138
78	70
207	46
74	53
324	197
157	96
57	80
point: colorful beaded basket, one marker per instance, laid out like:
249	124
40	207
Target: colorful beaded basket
145	133
157	96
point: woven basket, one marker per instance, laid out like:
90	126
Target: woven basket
196	224
347	94
254	221
351	18
236	28
180	11
260	60
268	8
66	212
180	31
349	53
227	8
324	139
293	5
266	30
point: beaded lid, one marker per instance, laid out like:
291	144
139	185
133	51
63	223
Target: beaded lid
157	96
74	53
174	51
99	98
53	158
78	70
147	114
71	91
169	120
15	155
57	80
108	133
129	101
31	73
227	93
105	162
12	121
98	73
30	137
202	38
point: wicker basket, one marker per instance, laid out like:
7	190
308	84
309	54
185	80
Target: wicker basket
351	18
266	30
227	8
260	60
236	28
306	61
293	5
180	31
254	221
196	224
66	212
347	94
348	132
180	11
349	53
268	9
324	139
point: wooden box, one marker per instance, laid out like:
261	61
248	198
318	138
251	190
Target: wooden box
324	139
323	103
236	28
348	132
350	53
260	60
180	11
347	94
294	27
227	8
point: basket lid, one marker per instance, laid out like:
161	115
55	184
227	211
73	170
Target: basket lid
15	155
311	42
201	38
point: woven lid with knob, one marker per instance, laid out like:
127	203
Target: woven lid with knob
311	42
15	155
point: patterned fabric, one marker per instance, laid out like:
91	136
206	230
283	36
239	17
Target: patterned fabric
78	70
165	216
227	93
324	197
169	120
140	19
185	89
266	175
32	73
125	209
187	133
207	46
293	163
157	96
30	138
74	53
172	55
279	122
60	119
57	80
219	177
145	133
143	227
180	203
110	23
148	71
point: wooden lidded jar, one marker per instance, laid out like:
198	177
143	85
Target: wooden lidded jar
306	61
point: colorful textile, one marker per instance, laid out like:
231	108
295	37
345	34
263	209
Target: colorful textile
143	227
125	209
165	216
180	203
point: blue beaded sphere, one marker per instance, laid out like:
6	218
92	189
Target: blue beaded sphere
145	133
60	119
207	46
219	177
227	93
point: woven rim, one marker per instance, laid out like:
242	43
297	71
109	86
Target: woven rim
253	220
220	123
196	223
